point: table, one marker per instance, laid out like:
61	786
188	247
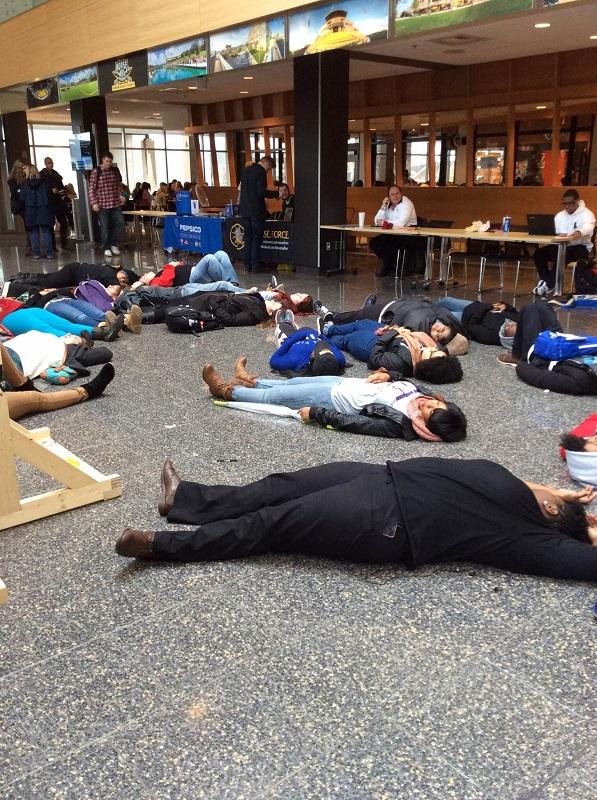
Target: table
137	217
194	234
445	234
276	246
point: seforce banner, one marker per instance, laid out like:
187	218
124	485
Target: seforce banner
277	244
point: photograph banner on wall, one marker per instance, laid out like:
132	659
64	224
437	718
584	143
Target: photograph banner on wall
124	72
329	26
414	16
236	48
180	61
42	93
78	84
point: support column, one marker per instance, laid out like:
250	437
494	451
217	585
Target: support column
510	147
470	147
16	137
554	178
89	116
431	149
398	161
320	137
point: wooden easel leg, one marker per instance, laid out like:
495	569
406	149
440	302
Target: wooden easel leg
83	483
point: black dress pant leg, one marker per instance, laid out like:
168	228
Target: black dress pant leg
198	503
386	247
68	275
368	312
545	260
358	520
258	226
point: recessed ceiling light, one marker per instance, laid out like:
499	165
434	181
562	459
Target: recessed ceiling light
594	36
352	120
247	77
156	114
115	112
543	24
192	87
424	124
540	108
243	91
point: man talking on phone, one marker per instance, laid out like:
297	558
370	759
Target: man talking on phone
396	211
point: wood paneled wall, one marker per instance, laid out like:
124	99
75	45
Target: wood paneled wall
64	34
463	204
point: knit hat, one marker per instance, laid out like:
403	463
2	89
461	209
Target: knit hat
505	341
417	420
457	346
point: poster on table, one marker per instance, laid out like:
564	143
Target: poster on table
42	93
331	26
260	43
414	16
124	72
78	84
176	62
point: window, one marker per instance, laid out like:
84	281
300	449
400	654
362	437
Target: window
52	141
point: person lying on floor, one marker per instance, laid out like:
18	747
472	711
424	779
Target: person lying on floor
373	406
76	271
402	352
19	319
568	376
303	351
487	323
63	303
211	268
23	398
57	360
416	314
417	511
232	310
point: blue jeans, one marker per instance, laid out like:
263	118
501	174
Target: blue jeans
215	286
111	224
455	305
212	268
294	393
358	338
38	319
35	242
77	311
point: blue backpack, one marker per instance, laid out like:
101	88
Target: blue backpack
561	346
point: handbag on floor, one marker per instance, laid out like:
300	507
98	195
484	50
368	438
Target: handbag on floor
185	319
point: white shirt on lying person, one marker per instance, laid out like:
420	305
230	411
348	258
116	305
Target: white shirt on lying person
351	395
37	351
582	220
402	215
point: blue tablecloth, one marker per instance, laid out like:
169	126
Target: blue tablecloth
196	234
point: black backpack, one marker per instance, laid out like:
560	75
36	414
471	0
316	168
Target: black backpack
585	276
185	319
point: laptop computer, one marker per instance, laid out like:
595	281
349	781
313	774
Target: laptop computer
541	224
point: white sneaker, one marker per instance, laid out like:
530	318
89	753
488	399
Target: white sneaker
108	253
540	289
115	250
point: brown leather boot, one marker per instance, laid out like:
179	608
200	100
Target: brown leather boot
169	481
135	544
217	385
243	377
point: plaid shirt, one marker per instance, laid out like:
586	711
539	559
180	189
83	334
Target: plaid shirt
104	187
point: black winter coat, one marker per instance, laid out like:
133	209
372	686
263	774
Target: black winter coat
232	310
390	352
482	322
418	315
253	191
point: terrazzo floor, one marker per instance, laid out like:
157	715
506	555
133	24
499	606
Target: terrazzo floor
284	677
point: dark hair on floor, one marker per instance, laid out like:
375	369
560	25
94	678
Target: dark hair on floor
574	443
439	370
449	336
572	521
448	423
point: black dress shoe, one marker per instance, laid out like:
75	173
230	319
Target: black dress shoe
169	481
135	544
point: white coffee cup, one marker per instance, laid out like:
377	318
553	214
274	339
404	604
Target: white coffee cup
361	219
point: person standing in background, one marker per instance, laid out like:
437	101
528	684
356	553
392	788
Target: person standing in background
106	200
253	191
57	201
15	181
38	213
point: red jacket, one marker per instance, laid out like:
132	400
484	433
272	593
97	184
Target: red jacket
8	305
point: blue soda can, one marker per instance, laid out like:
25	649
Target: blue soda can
506	222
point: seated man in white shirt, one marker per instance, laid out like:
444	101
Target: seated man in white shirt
400	212
575	220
